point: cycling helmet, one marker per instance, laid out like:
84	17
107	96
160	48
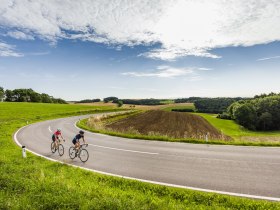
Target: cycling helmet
81	132
59	129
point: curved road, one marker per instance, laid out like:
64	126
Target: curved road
235	170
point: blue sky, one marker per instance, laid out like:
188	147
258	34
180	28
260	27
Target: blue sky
140	49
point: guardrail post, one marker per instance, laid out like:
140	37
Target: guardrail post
23	152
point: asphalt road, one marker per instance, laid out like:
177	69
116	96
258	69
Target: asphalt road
243	171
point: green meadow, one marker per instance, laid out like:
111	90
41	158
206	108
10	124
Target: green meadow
36	183
242	135
189	106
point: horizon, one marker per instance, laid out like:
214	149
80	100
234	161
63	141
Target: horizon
141	49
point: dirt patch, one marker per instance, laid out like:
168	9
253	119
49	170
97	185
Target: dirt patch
171	124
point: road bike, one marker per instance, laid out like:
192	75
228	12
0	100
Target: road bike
82	153
59	147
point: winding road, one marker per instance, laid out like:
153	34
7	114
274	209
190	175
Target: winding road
252	172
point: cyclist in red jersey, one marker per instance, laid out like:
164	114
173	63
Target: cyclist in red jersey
56	136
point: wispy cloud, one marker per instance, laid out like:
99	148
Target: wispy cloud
38	53
205	69
180	28
269	58
161	72
20	35
7	50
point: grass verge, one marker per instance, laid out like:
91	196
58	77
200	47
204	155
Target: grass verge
36	183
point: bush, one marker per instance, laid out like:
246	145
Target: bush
224	116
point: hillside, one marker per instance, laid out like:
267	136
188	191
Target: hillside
171	124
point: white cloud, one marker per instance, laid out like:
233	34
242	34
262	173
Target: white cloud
7	50
204	69
161	72
181	27
268	58
20	35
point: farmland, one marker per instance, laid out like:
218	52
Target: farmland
170	124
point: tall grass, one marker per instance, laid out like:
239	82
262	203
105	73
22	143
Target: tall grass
36	183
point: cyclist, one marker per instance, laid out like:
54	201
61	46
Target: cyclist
76	140
56	136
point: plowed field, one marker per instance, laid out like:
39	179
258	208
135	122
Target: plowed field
171	124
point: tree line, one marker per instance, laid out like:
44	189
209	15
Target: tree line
88	101
133	101
260	113
214	105
28	95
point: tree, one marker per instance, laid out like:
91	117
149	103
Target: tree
2	94
246	115
108	99
35	97
9	95
265	121
120	103
46	98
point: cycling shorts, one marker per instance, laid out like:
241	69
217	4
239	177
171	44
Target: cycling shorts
74	141
53	137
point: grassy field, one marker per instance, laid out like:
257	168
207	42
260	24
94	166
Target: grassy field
179	106
242	135
36	183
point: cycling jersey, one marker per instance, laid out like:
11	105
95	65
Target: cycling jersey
55	135
77	138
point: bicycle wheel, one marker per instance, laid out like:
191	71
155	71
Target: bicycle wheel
60	149
53	149
72	153
83	155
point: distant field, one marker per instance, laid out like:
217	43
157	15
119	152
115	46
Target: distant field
36	183
169	104
179	106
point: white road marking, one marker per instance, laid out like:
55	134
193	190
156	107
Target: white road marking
50	129
125	150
